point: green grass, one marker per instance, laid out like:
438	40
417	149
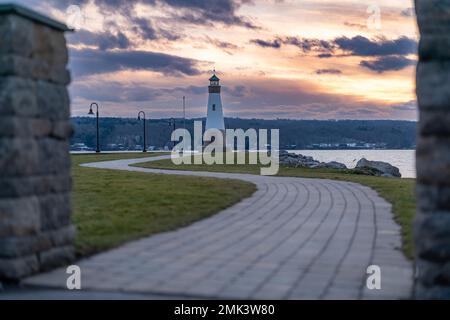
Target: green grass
399	192
112	207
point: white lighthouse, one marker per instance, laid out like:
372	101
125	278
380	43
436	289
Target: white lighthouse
214	119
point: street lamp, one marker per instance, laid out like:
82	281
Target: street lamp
184	112
173	126
145	140
91	113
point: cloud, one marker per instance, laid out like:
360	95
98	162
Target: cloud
407	106
408	12
238	91
227	47
114	91
362	46
107	5
389	63
307	45
103	40
267	44
211	12
356	46
87	62
262	98
390	53
200	12
328	71
324	55
145	28
359	26
197	12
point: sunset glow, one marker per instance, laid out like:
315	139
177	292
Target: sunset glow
297	59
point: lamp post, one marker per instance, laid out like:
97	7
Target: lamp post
184	112
91	113
145	133
173	124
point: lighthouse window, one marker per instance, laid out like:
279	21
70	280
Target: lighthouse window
213	107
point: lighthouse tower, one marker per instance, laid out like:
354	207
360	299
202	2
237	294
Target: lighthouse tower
214	119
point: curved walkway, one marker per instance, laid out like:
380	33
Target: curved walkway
295	238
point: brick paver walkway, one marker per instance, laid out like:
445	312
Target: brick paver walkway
294	238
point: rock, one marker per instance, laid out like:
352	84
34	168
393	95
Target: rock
56	161
432	198
13	187
336	165
434	122
432	221
435	292
19	216
433	231
308	164
53	100
56	256
333	165
36	232
302	161
17	97
16	247
432	85
55	211
385	169
15	269
366	171
16	33
62	130
20	157
433	154
373	168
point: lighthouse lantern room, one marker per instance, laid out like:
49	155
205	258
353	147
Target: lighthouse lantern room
214	118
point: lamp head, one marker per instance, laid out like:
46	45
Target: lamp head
139	117
90	111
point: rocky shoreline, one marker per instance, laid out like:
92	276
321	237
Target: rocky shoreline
364	166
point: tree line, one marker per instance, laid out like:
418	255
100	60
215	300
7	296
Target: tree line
297	134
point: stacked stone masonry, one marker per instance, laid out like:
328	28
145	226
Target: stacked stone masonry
36	232
432	225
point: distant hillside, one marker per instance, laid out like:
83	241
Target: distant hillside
126	133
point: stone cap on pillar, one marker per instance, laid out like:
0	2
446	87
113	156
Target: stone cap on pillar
32	15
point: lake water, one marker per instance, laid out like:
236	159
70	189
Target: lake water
402	159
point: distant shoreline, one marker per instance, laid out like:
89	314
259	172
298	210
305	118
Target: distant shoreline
333	149
139	151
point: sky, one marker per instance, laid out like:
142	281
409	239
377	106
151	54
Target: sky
297	59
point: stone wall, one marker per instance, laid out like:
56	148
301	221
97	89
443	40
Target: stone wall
432	225
35	206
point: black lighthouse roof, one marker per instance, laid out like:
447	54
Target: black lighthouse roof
214	78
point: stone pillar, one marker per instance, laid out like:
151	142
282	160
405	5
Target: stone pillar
36	232
432	225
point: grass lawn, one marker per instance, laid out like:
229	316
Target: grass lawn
112	207
399	192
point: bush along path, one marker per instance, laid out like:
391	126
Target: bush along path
294	238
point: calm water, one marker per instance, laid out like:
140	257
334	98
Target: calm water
402	159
